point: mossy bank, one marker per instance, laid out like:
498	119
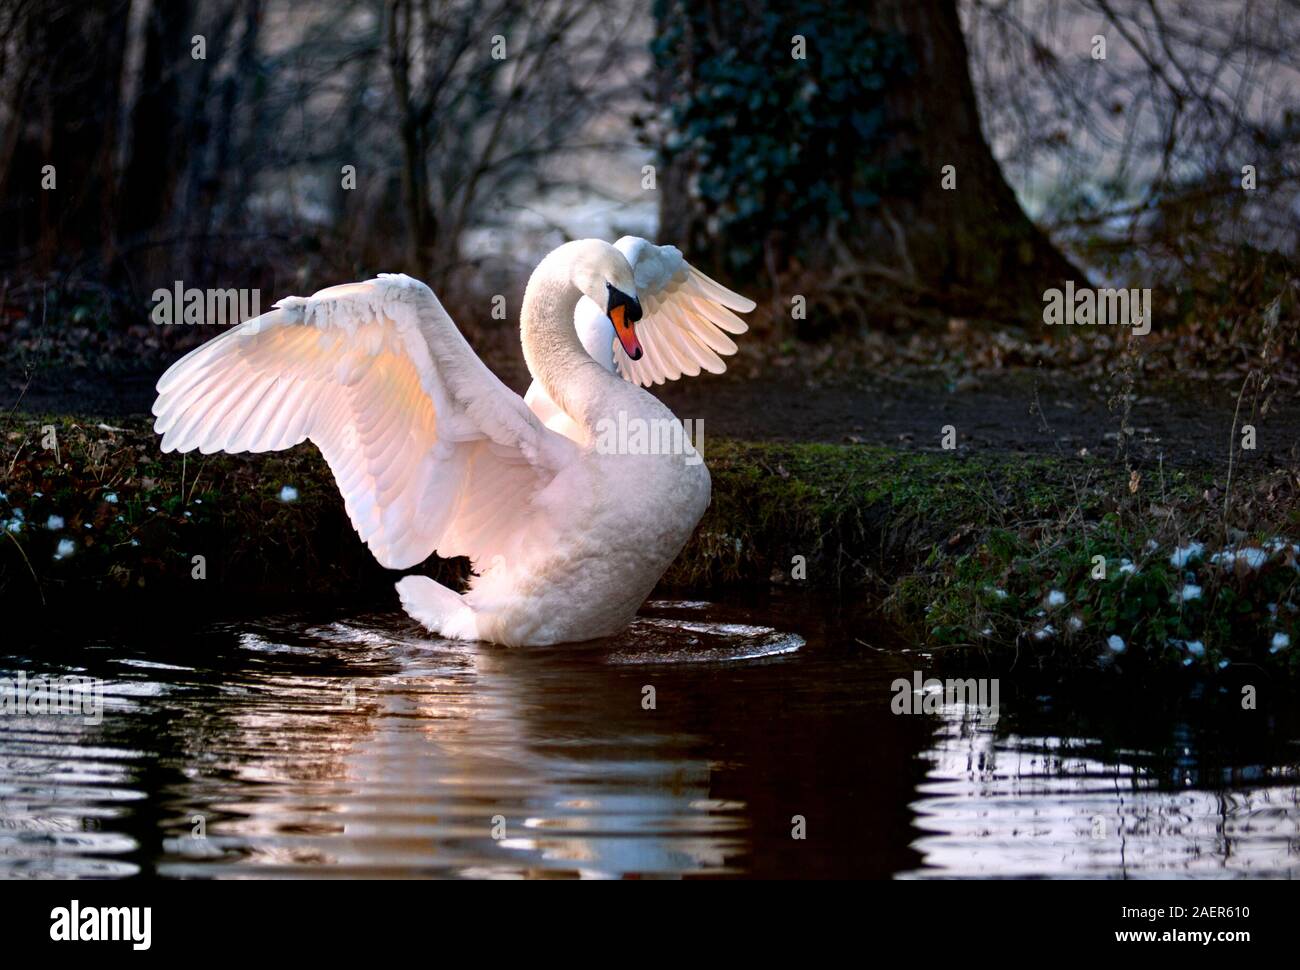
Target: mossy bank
1055	563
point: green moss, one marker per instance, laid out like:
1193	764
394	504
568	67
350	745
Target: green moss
965	552
831	504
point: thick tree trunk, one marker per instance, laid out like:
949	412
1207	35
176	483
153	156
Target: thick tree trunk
897	240
972	244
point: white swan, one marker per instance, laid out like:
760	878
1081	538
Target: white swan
432	452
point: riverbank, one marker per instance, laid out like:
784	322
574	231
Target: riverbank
1056	562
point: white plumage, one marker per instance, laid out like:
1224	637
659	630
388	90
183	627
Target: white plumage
433	453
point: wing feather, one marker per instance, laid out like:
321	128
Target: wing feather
687	317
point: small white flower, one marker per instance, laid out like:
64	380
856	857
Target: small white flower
1254	557
14	525
288	494
111	498
1183	556
1075	624
1055	598
66	548
151	508
1126	567
1195	647
1280	642
1190	592
1047	631
1116	643
54	523
135	542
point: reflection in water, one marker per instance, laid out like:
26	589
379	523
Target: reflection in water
362	748
1023	805
354	746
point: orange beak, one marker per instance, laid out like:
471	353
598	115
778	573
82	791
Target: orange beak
626	332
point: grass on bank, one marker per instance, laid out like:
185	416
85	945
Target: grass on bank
1052	562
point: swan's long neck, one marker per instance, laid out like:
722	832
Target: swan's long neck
555	356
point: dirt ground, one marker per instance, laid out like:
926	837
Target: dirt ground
1015	411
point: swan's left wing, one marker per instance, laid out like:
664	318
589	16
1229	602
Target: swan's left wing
686	316
430	450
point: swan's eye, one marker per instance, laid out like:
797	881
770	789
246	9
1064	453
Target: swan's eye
617	298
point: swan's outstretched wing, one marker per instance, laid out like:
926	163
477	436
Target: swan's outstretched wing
685	316
430	450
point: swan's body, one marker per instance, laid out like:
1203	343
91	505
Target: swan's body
432	452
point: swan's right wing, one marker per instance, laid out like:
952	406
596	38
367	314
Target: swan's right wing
430	450
686	316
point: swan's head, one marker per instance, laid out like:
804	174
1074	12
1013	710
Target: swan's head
604	276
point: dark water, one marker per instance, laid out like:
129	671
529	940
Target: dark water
353	746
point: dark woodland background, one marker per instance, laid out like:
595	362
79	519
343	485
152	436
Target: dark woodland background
782	176
919	426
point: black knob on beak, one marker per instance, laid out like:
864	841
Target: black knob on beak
631	305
